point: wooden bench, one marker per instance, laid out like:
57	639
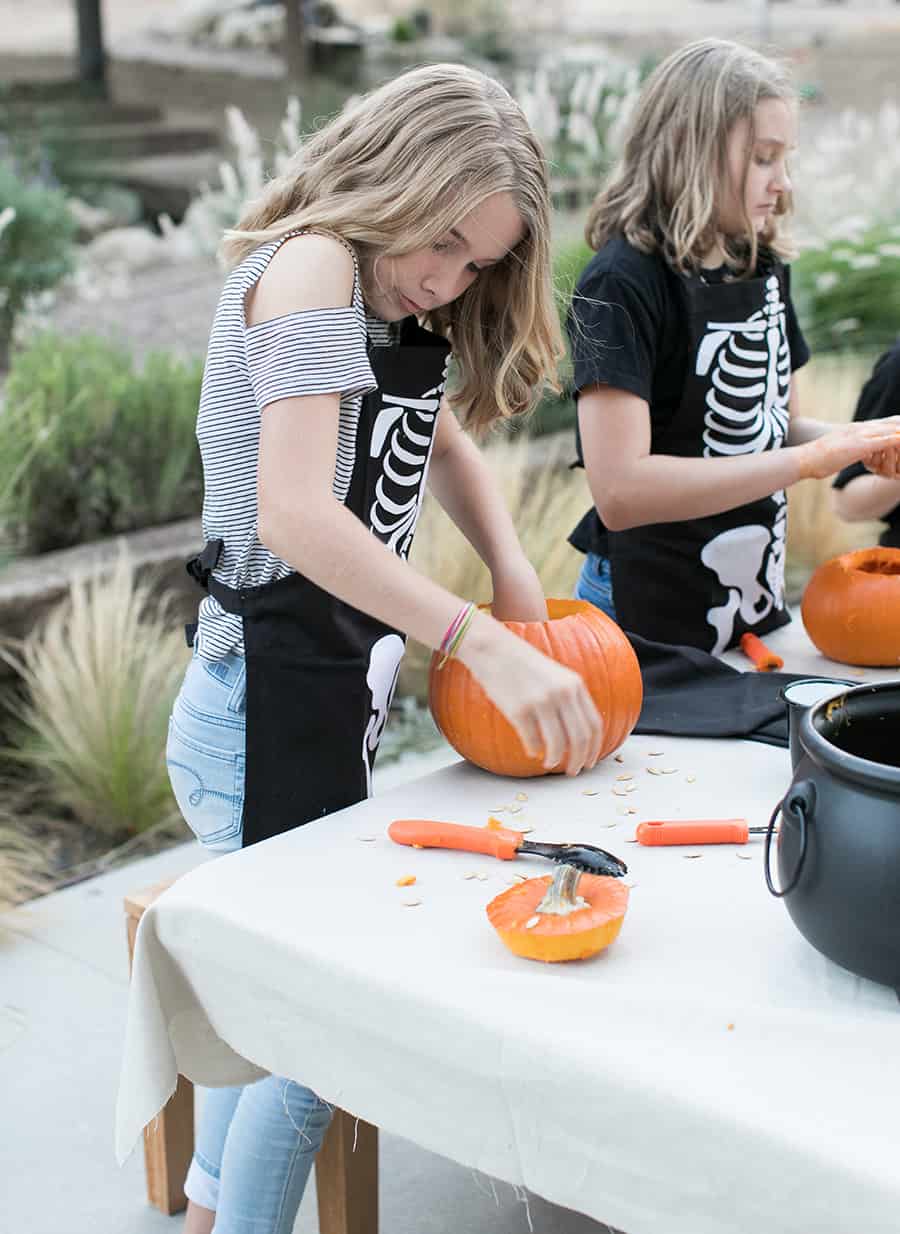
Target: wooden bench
346	1164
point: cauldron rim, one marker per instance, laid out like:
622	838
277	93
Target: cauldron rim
863	771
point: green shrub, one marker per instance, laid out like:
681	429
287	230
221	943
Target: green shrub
100	675
36	245
90	448
848	290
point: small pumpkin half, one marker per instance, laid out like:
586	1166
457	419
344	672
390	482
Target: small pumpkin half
567	917
851	607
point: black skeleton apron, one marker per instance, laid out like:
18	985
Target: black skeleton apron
707	581
320	673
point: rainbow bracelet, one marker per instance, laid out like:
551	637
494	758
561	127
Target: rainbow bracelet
455	633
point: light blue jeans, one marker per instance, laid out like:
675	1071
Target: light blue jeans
595	584
255	1144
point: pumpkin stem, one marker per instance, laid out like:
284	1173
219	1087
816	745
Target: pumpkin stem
560	897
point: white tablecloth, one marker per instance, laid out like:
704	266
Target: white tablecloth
710	1073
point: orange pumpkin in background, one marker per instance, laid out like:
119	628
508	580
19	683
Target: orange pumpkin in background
851	607
567	917
577	635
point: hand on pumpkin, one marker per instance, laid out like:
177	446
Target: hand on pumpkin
851	443
546	703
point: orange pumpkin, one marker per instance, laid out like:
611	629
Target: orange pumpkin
577	635
851	607
542	919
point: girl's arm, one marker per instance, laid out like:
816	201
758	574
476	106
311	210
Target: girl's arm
802	428
866	497
632	487
462	482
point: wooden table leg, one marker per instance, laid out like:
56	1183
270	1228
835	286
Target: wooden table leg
347	1180
169	1139
346	1164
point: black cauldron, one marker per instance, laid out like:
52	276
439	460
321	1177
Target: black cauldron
838	850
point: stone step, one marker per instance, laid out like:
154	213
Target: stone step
165	183
75	113
123	141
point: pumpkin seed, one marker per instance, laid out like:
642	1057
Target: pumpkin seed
367	839
690	779
630	788
609	825
471	874
653	771
411	903
619	758
621	809
521	796
532	922
655	753
631	810
619	792
691	856
483	877
744	856
590	792
667	771
515	809
524	830
626	775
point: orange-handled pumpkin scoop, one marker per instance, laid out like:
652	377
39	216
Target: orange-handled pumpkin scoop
658	831
502	842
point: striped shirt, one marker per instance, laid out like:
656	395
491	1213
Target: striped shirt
314	351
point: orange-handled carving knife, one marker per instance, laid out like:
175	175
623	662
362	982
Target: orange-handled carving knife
502	842
658	831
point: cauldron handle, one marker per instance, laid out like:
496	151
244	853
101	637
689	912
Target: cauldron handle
799	800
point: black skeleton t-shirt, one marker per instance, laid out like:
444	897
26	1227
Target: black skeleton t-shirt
627	329
880	396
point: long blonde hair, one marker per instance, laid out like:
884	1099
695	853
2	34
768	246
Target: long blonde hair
391	174
665	193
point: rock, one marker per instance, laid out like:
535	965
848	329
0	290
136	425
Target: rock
127	249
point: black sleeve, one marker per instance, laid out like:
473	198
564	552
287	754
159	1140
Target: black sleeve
880	396
797	343
614	324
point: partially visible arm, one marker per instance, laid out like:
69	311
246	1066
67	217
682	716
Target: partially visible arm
462	482
632	487
802	428
866	497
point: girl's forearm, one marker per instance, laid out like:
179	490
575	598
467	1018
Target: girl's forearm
803	428
866	497
329	545
663	488
461	481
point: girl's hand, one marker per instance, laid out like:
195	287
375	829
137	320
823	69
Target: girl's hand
518	594
852	443
547	704
885	463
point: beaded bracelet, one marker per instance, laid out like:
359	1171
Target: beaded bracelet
455	633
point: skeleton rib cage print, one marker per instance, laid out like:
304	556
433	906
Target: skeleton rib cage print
749	367
407	425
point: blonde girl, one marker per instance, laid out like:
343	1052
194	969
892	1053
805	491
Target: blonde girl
685	341
413	223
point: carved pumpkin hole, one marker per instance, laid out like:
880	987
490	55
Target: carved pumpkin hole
879	567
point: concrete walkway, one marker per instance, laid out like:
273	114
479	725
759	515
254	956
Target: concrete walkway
63	1002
